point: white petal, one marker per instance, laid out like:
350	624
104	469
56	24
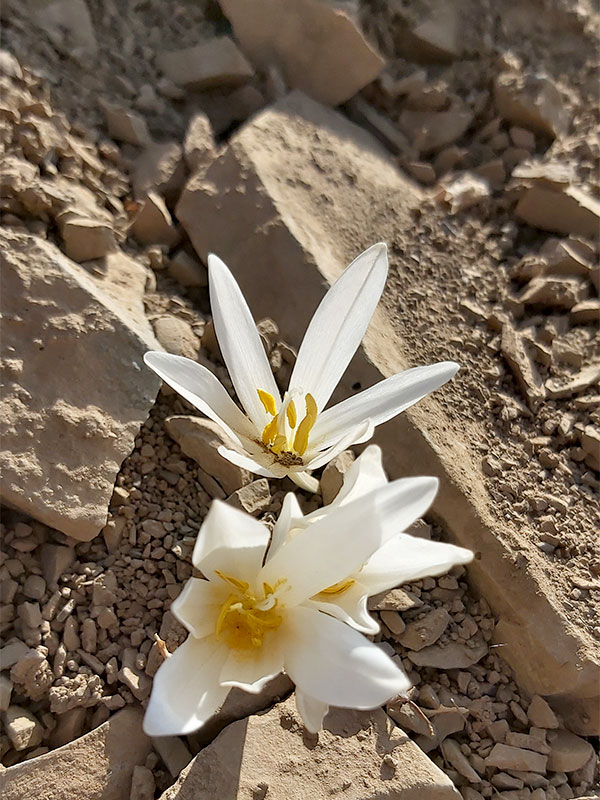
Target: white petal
364	475
305	481
339	324
401	502
246	461
353	435
240	343
336	665
199	604
405	558
252	670
186	690
350	606
382	401
230	541
312	711
203	390
290	514
324	553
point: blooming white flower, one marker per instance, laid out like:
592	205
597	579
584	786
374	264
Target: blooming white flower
252	615
296	434
401	558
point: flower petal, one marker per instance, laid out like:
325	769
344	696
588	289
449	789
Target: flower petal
246	461
203	390
382	401
230	541
328	551
289	514
349	606
336	665
251	671
339	324
199	604
186	690
354	435
312	711
240	343
404	558
305	481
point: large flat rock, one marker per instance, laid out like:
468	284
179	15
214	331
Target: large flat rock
75	388
308	190
358	755
97	766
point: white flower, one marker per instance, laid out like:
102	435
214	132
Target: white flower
401	558
296	434
251	618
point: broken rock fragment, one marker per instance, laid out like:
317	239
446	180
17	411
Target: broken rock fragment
216	62
86	239
65	431
431	130
126	126
533	102
159	168
153	223
317	47
199	144
522	367
561	209
554	292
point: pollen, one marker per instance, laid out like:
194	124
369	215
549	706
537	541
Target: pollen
244	619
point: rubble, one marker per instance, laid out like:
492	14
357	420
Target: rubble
533	102
333	476
176	336
553	292
126	126
23	729
291	36
159	168
253	498
429	131
523	368
464	191
216	62
570	211
516	758
568	752
86	239
199	144
153	223
455	655
187	270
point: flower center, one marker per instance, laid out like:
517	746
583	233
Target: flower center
284	436
245	619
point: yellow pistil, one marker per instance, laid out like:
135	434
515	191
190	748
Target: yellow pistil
244	619
338	588
305	427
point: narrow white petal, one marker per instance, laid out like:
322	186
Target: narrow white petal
349	606
324	553
339	324
245	461
203	390
240	343
364	475
251	670
405	558
402	502
290	514
312	711
199	604
349	436
186	690
382	401
335	664
230	541
305	481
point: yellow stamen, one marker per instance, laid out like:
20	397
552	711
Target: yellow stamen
279	444
338	588
305	427
292	417
268	402
270	431
241	586
242	622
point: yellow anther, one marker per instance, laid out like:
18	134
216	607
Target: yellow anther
267	588
279	444
270	431
292	417
305	427
268	402
241	586
338	588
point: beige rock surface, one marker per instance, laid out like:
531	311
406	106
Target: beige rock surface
98	766
359	755
76	392
217	62
317	47
304	228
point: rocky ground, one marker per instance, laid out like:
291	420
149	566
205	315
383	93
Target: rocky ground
134	142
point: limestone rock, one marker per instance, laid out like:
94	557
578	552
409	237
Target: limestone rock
333	476
65	430
199	144
532	101
69	26
142	784
23	728
570	211
540	714
126	126
253	498
216	62
504	756
176	336
153	223
432	130
159	168
553	291
522	366
199	439
455	655
568	752
316	46
187	270
86	239
424	632
98	766
271	755
6	688
464	191
174	752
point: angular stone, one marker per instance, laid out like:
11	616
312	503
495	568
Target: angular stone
159	168
69	26
142	784
11	653
187	270
333	476
199	143
50	304
23	729
553	292
216	62
253	498
454	655
174	752
86	239
505	757
253	756
568	752
317	47
585	311
153	223
464	191
6	688
522	366
585	378
55	559
532	101
126	126
540	714
571	211
424	632
199	439
177	336
432	130
98	766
